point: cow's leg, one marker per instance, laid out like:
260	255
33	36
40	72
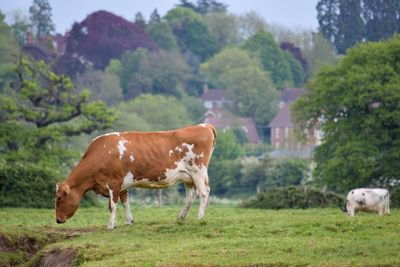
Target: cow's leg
124	197
112	204
191	194
203	189
387	208
381	209
350	210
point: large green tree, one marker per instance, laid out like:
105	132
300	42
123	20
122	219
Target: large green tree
45	108
348	22
263	46
191	32
157	111
40	16
356	104
144	72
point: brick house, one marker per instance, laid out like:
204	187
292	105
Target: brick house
283	140
215	100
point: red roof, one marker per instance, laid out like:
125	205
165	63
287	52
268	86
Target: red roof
289	95
282	118
222	119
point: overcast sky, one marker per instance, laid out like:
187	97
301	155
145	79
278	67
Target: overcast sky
290	13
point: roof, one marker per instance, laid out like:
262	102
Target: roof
222	119
289	95
282	118
216	95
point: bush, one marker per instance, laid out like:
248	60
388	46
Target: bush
26	185
293	197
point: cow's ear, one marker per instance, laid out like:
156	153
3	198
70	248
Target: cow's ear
66	189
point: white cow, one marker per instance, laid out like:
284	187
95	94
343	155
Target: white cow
368	199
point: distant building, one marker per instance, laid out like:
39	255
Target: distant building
47	49
283	140
215	100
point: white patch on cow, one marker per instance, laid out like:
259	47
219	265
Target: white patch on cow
104	146
178	149
109	151
131	158
107	134
203	125
170	153
113	206
121	147
128	181
56	187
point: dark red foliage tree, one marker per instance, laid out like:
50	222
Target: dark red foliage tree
103	36
296	52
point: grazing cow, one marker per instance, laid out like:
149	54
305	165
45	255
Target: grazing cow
115	162
368	199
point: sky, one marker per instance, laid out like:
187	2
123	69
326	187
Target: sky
289	13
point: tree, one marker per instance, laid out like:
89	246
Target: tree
103	86
204	6
47	104
295	69
41	18
112	35
139	20
157	111
263	46
8	45
347	23
250	23
191	32
223	28
162	34
154	17
158	73
356	104
20	26
296	53
381	18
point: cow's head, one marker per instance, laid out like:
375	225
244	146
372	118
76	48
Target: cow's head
67	202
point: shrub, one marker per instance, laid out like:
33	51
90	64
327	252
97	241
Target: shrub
293	197
26	185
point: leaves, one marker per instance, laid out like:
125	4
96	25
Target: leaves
356	104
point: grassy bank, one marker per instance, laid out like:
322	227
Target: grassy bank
228	236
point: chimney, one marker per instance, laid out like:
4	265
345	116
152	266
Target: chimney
205	88
28	38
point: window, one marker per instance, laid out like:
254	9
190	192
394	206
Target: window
277	133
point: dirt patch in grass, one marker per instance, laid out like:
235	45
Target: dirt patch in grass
58	258
17	248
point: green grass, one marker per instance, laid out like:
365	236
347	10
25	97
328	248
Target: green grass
228	236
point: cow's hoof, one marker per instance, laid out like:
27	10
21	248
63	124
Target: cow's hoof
111	227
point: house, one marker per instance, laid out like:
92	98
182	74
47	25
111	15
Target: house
217	101
47	48
283	141
216	98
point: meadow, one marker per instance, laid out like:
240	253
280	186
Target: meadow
228	236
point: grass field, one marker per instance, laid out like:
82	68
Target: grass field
229	236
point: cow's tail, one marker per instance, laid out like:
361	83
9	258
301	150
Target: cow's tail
215	134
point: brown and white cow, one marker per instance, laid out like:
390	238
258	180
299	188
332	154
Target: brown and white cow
117	161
